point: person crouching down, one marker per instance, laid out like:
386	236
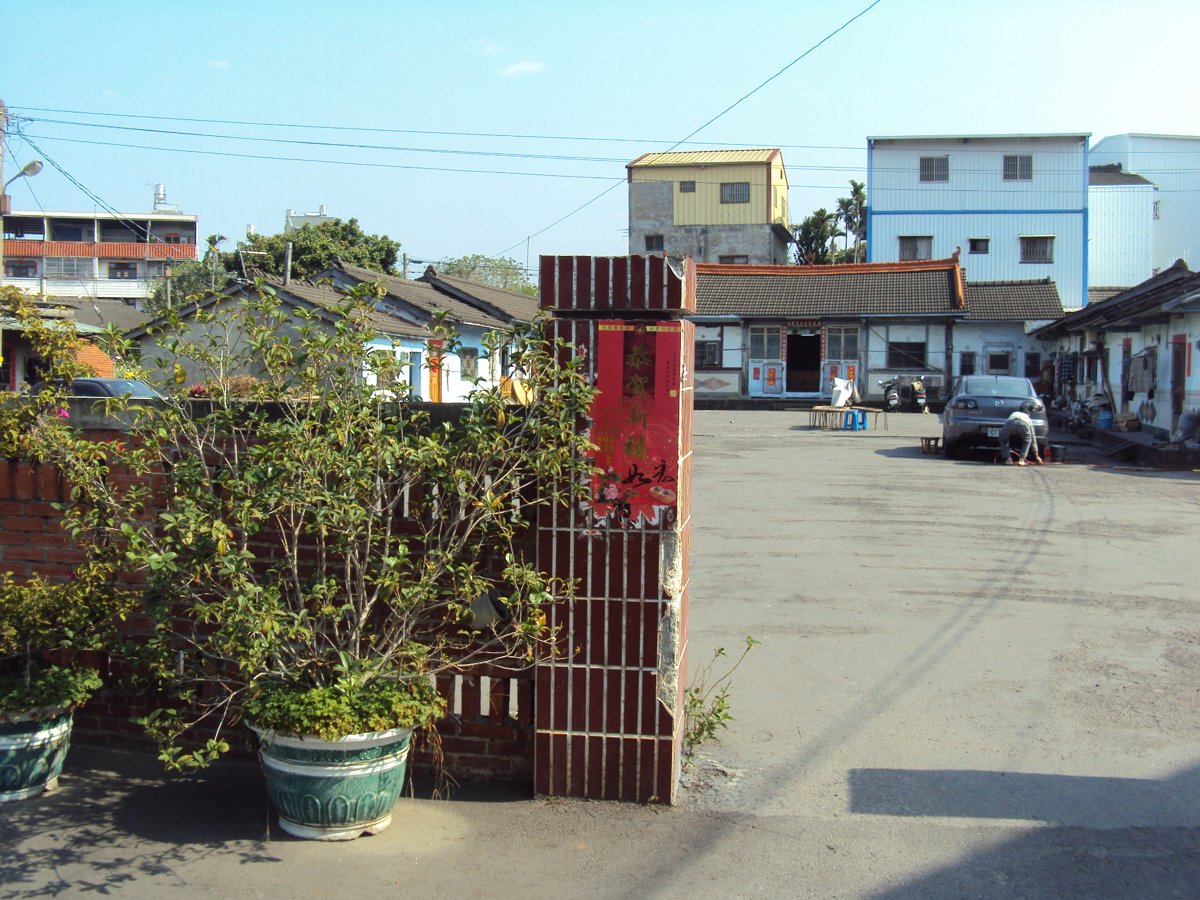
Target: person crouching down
1018	440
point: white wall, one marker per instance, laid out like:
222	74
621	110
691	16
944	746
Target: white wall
1173	164
976	202
1120	234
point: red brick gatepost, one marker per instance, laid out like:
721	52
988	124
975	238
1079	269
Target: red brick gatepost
609	711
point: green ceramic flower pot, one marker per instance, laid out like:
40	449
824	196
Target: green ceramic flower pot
335	790
32	754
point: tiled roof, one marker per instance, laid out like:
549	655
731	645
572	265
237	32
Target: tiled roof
100	312
869	289
1142	301
1100	294
323	296
1023	301
423	296
330	299
1112	175
703	158
516	307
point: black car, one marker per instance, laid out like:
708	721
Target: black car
102	388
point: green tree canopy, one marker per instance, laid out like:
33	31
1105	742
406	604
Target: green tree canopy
314	248
815	238
499	272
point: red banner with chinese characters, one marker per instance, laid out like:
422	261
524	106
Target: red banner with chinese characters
635	420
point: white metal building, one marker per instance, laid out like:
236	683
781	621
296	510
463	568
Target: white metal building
1121	220
1016	205
1172	162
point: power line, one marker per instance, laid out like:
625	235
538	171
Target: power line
737	102
268	140
432	133
119	216
330	162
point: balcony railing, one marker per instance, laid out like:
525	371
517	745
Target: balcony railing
14	248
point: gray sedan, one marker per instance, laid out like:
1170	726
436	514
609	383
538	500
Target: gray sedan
979	407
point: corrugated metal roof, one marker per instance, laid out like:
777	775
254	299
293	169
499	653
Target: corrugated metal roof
974	137
703	158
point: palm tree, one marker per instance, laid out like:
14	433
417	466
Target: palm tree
853	211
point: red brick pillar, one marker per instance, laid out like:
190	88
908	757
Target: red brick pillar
609	713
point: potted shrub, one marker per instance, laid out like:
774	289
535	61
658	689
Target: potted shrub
43	623
317	549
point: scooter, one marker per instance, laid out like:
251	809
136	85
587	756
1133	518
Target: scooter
918	395
891	393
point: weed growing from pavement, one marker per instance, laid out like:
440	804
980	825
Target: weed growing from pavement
706	702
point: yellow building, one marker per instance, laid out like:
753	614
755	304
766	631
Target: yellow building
717	206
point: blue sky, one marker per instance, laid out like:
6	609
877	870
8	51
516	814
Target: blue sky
598	83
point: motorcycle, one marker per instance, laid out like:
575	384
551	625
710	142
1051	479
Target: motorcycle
918	395
891	393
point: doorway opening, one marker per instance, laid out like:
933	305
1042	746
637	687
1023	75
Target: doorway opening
803	362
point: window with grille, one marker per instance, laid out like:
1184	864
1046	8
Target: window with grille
735	192
979	245
841	342
935	168
687	187
906	355
20	268
966	362
733	260
916	247
68	267
764	342
654	243
468	362
708	354
122	270
1018	168
1038	249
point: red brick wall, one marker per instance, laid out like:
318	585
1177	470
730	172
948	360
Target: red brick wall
485	736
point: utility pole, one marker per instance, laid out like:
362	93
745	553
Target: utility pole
3	195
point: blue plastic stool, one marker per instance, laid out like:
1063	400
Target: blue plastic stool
854	420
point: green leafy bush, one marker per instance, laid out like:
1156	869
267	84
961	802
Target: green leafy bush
311	558
343	708
47	691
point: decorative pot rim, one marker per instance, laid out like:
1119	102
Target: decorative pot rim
34	714
362	740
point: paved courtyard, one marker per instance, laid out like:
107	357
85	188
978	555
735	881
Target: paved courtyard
974	680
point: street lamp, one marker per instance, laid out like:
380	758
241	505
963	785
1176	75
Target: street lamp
28	170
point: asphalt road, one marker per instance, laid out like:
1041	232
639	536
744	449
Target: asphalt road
974	681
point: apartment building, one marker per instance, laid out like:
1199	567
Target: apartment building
1016	205
76	254
715	206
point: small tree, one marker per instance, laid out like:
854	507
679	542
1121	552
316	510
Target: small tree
314	248
38	616
312	555
815	238
500	272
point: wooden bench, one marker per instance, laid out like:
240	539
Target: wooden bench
931	444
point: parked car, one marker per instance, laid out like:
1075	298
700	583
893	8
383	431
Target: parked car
100	388
980	405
